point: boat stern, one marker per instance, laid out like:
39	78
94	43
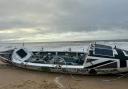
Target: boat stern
5	56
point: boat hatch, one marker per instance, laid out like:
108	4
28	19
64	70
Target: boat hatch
21	53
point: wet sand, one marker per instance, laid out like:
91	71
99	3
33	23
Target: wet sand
18	78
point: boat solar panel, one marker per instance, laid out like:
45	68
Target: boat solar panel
102	46
103	52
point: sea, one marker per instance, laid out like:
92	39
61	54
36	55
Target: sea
80	46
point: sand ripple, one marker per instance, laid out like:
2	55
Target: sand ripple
31	84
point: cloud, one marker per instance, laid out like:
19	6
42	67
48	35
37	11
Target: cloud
45	20
34	35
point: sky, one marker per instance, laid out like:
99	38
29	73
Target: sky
63	20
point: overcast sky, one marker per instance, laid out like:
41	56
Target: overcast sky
63	20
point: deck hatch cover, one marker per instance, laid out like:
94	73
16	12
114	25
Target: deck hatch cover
21	53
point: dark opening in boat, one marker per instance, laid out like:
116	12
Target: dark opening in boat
21	53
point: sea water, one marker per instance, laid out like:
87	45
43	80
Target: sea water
80	46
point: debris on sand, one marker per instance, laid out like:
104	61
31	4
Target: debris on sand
57	81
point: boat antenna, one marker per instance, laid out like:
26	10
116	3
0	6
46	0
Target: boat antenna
69	49
83	49
23	44
115	47
42	48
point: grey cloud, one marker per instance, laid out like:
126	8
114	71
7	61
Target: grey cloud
63	16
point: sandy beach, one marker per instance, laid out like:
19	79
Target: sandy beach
17	78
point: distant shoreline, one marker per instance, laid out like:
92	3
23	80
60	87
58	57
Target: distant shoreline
82	41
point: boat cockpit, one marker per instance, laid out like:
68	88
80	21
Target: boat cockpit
63	58
50	57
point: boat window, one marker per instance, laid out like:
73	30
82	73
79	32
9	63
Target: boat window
21	53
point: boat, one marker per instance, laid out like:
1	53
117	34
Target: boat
99	59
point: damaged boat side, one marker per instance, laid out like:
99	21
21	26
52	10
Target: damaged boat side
99	59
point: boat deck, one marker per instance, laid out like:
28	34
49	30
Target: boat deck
54	57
